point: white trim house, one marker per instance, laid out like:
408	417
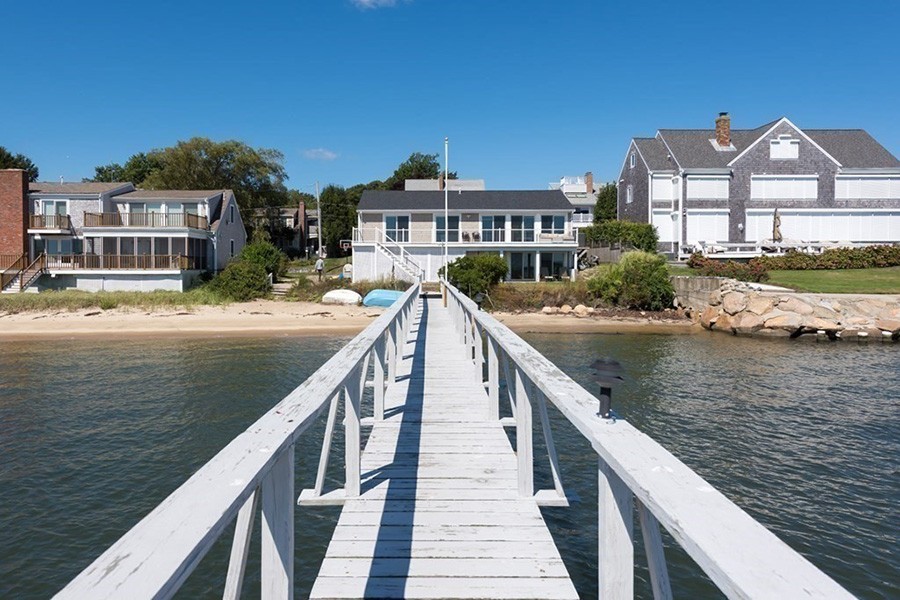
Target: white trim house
401	233
721	187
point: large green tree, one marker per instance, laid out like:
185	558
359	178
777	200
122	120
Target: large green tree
417	166
338	217
8	160
605	209
255	174
136	169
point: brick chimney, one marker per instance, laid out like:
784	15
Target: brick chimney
14	211
723	129
589	182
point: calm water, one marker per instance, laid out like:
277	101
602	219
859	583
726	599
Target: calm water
804	436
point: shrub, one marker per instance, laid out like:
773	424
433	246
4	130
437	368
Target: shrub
476	273
640	236
242	281
640	280
868	257
264	253
535	296
752	271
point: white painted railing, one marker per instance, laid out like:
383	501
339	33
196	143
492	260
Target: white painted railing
743	558
158	554
401	258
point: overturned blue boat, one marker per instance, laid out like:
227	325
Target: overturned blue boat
383	298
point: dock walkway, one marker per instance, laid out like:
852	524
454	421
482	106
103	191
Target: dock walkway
439	514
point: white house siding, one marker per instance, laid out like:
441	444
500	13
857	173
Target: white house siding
826	225
120	282
665	227
707	225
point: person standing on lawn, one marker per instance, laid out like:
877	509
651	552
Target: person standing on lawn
320	267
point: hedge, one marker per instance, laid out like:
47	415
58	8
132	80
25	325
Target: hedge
751	271
867	257
639	236
639	280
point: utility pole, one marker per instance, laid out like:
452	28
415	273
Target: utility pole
319	218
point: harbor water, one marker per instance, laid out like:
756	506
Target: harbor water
803	436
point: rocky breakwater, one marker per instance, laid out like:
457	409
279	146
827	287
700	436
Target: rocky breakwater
744	309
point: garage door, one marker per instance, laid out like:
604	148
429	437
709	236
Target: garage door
665	226
810	225
707	226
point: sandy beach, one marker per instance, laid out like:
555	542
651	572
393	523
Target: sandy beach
266	317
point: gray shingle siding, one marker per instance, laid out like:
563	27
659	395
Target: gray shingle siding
637	178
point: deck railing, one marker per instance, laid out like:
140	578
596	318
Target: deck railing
62	262
150	220
743	558
11	266
459	236
158	554
50	222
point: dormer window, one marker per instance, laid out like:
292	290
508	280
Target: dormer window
632	161
784	148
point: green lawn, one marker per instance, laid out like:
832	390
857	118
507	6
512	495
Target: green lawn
848	281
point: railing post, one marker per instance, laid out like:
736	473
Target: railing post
326	444
240	548
524	447
493	380
378	379
615	559
478	341
351	434
656	558
391	355
278	529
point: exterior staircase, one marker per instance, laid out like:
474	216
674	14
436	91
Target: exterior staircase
20	275
280	290
404	262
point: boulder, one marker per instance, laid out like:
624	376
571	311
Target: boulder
868	308
550	310
734	302
888	325
814	324
708	317
746	323
565	309
342	297
772	333
856	321
723	323
826	313
759	305
795	305
788	322
715	298
581	310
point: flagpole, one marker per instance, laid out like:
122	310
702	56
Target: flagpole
446	201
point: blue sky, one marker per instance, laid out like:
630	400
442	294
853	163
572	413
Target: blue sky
527	91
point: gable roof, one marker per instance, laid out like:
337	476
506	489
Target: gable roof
467	200
691	148
81	188
655	154
854	148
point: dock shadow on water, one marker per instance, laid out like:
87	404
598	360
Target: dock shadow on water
393	545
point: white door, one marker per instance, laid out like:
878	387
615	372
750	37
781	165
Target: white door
665	225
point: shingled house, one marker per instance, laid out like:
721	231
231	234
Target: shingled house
722	185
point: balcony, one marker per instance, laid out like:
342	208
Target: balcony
145	220
55	222
465	237
170	262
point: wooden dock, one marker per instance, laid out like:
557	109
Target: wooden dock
439	514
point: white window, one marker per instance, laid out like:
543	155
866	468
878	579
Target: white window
707	226
663	189
776	187
493	228
784	148
707	188
452	229
553	224
397	228
632	161
867	188
629	195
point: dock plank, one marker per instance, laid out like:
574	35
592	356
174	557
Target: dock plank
439	513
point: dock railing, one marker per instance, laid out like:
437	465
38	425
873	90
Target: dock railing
741	556
158	554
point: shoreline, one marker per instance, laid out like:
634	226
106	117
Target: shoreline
268	318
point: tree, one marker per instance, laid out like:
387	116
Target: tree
607	199
136	169
8	160
417	166
338	217
256	175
